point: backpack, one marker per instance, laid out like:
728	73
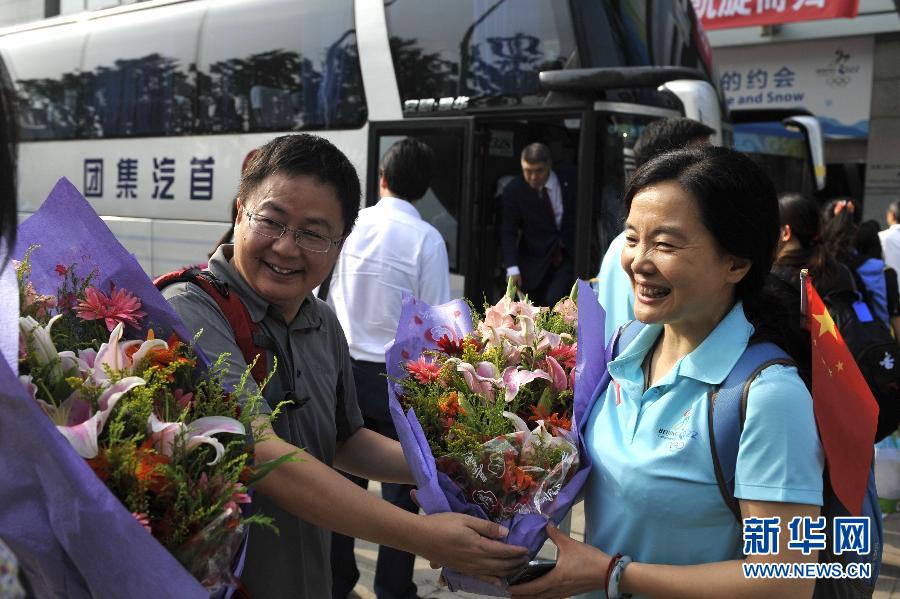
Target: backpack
727	411
870	342
246	332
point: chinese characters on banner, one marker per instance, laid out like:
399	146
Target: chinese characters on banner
830	78
163	168
722	14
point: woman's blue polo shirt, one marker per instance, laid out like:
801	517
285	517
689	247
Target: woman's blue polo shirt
652	493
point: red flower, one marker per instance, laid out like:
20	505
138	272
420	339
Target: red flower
453	347
423	370
551	421
564	354
118	306
161	358
515	479
61	270
149	468
100	465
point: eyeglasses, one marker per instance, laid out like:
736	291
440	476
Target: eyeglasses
309	241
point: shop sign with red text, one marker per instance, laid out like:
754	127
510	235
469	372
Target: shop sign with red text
722	14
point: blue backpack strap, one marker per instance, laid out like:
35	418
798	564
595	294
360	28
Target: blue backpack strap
624	335
728	409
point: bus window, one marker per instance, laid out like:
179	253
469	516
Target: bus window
477	49
781	153
279	65
47	82
136	73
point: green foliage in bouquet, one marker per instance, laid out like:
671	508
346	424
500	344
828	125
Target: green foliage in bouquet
165	436
474	396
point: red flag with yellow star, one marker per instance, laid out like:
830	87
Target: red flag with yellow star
846	410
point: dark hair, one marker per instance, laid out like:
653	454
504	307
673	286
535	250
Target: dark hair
801	214
537	153
407	167
304	154
8	138
867	242
839	229
666	135
737	205
894	210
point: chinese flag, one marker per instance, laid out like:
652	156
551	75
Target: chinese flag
846	412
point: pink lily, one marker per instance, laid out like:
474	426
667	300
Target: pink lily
113	358
481	379
518	423
44	352
560	383
83	435
198	432
514	378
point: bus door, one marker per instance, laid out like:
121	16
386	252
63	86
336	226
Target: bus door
499	141
449	203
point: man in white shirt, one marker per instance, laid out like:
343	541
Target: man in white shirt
890	237
390	251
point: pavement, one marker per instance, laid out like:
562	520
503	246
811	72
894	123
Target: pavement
426	579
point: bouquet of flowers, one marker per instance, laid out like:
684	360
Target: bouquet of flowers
152	421
475	396
487	410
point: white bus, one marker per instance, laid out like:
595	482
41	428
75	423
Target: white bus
150	108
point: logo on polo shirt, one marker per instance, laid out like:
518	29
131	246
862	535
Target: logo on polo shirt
680	434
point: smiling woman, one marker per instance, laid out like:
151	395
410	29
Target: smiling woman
701	231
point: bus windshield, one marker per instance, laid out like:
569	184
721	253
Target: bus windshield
781	152
489	50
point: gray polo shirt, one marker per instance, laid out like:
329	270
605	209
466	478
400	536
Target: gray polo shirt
314	365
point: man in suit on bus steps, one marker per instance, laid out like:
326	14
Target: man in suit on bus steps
538	231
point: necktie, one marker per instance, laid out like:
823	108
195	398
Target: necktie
556	254
545	194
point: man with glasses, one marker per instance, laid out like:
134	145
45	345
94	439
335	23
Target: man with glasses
298	200
390	251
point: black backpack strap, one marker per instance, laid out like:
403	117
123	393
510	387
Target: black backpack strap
728	410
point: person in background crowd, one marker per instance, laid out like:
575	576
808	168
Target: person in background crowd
868	246
391	251
799	247
658	137
701	231
538	230
839	230
890	237
297	202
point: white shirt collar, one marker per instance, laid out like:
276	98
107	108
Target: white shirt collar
552	182
398	204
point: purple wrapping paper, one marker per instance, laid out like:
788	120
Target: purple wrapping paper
72	537
419	327
70	232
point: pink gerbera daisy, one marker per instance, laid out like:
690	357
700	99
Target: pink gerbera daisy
424	371
118	306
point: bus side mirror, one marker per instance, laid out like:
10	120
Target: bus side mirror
811	129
